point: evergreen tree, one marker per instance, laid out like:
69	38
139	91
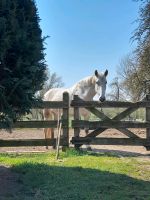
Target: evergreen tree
22	63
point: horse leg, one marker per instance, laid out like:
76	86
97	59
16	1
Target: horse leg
56	115
48	132
86	117
52	131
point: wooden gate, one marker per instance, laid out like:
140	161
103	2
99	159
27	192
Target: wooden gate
105	122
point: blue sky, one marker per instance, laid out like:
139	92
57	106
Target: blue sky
86	35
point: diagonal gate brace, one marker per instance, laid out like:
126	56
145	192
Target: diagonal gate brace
118	117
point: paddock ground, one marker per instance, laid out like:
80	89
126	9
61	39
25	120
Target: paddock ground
127	166
38	134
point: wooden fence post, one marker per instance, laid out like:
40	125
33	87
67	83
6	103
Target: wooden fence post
148	120
76	117
65	118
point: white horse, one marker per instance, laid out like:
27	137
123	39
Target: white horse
86	89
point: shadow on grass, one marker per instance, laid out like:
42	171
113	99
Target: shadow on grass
103	152
9	184
44	182
118	153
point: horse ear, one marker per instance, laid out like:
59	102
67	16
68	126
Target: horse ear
96	73
106	72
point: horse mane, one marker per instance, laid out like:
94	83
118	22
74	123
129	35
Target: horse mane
85	82
90	80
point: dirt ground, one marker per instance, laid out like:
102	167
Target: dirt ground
38	134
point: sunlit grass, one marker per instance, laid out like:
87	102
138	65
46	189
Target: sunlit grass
80	175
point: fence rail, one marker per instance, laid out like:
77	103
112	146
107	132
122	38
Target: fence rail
106	122
97	127
50	104
30	142
35	124
111	141
64	105
82	124
109	104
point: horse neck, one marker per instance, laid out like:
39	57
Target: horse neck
85	88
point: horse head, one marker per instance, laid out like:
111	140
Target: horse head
100	84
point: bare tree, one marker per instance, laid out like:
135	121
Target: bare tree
117	92
53	81
142	37
134	69
132	81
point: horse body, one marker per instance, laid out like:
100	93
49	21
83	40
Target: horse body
86	89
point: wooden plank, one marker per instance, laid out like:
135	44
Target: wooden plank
65	122
76	117
49	104
100	130
107	124
98	113
111	141
104	117
29	142
148	119
96	132
125	113
128	133
116	104
32	124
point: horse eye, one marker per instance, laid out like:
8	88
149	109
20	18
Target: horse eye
106	82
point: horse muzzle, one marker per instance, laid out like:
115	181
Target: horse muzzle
102	99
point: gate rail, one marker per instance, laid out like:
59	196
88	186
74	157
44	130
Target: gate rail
105	122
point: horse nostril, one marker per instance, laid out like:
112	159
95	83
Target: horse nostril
102	99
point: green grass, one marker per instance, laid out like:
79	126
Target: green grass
79	176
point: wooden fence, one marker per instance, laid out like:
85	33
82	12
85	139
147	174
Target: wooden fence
64	105
105	122
96	127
